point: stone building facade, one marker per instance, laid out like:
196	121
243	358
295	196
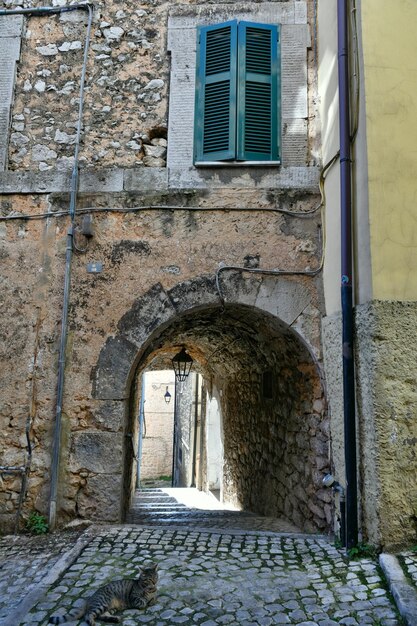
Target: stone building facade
222	259
119	247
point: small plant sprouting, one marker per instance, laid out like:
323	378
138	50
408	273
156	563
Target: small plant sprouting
37	524
362	551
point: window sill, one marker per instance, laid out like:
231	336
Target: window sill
237	163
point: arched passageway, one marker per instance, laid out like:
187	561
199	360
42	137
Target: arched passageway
264	387
262	396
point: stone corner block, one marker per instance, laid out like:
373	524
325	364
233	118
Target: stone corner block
110	414
105	180
111	375
284	298
145	179
97	452
101	499
148	312
34	182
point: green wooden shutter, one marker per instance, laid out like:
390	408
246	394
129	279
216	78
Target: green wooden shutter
258	127
215	110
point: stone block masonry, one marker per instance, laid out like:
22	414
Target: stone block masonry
160	234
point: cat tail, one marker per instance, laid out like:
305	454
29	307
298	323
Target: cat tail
68	617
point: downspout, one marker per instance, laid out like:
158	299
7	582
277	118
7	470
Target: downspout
56	445
346	278
56	449
41	11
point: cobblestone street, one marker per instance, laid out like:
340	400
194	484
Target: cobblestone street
207	577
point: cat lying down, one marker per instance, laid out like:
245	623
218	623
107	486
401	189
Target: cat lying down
128	593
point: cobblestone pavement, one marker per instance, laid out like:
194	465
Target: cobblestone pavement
25	561
211	577
408	561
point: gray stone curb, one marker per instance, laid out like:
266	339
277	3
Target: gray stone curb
55	572
404	593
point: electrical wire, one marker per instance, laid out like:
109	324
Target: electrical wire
287	272
298	214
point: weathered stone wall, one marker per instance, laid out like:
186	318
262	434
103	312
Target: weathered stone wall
277	448
386	424
387	420
148	255
125	101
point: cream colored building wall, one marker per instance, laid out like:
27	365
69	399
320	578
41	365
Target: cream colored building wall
385	154
390	58
329	114
159	419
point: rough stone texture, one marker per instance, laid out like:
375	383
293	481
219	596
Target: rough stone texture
222	576
387	397
386	425
277	449
157	288
100	498
97	452
333	363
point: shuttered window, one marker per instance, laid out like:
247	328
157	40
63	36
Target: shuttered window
237	93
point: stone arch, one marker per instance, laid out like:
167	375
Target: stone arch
161	319
290	301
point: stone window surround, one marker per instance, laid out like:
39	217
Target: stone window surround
11	29
182	38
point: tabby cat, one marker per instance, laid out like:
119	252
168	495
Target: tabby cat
128	593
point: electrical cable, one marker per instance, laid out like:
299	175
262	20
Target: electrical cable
285	272
298	214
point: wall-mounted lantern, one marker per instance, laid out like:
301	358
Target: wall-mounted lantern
167	396
182	363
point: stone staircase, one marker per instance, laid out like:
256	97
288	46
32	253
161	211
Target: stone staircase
190	507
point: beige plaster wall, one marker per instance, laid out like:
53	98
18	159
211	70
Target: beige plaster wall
390	74
159	419
329	114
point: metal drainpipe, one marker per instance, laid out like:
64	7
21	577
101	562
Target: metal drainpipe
346	278
41	11
56	445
